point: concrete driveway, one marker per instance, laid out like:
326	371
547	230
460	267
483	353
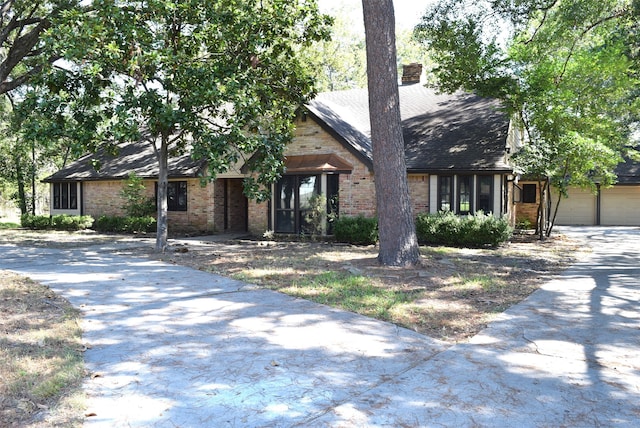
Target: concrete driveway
176	347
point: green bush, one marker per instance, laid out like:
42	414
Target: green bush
136	203
118	224
524	224
477	230
71	222
356	230
56	222
38	222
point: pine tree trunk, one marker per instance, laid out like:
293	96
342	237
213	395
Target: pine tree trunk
163	173
398	242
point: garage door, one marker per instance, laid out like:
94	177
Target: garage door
620	206
578	209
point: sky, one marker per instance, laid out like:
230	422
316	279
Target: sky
408	12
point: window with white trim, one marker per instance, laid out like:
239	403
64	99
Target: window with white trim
65	196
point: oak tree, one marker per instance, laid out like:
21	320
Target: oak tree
23	24
565	69
222	79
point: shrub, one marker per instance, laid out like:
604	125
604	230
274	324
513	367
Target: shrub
71	222
356	230
524	224
35	221
57	222
118	224
136	203
477	230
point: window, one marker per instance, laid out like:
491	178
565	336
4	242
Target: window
294	201
485	194
529	193
445	193
286	204
176	195
333	203
465	194
308	187
65	196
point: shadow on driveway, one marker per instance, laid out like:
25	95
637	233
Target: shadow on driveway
172	346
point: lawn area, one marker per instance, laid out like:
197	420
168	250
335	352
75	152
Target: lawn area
451	296
41	363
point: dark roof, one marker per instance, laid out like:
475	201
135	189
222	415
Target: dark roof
442	132
139	158
628	172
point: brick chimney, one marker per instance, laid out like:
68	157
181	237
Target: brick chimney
411	73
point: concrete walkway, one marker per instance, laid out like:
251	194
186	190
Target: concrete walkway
176	347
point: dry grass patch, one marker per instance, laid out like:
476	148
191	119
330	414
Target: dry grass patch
41	363
451	296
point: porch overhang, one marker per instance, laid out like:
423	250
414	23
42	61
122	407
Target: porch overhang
327	163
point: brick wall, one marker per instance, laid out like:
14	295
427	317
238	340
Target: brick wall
103	198
200	209
419	193
357	190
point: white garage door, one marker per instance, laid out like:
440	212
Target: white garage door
578	209
620	206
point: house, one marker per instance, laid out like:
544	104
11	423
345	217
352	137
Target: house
457	150
456	156
455	153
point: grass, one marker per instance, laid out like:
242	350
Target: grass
41	363
355	293
8	225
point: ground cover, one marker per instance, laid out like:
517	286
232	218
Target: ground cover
41	364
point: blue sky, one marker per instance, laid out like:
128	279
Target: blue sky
408	12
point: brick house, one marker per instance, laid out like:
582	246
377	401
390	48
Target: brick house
457	149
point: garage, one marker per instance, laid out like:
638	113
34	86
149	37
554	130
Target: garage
579	208
620	206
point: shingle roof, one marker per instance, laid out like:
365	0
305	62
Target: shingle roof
138	158
442	132
628	172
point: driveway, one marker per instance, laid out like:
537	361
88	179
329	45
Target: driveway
176	347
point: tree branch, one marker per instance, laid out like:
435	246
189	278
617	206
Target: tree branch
585	31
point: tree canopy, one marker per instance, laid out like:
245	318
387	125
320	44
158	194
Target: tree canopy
22	51
222	79
567	70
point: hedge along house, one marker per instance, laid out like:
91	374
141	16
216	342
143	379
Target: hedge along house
456	148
